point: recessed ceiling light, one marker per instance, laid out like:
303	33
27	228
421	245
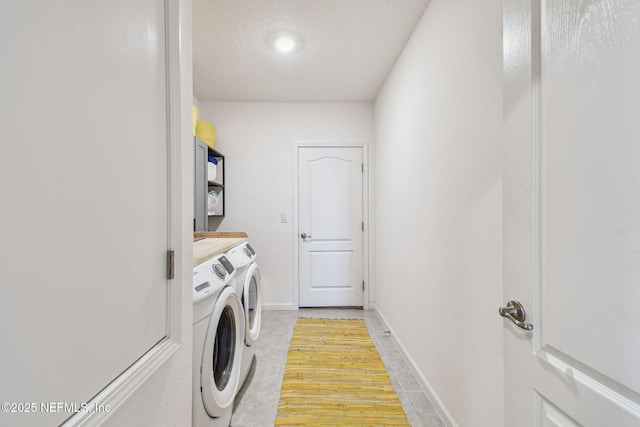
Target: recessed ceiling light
284	43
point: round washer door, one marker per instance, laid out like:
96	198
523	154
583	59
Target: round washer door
252	302
221	358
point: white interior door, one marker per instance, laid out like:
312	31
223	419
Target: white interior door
83	189
572	212
330	227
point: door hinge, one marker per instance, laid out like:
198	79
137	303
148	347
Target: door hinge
362	225
363	285
363	168
171	264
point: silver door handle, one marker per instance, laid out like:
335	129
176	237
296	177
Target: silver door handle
514	311
305	235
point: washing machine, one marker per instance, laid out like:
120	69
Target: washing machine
218	342
243	258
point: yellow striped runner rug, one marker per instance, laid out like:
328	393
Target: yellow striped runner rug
334	377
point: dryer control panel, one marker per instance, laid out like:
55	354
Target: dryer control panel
242	255
248	249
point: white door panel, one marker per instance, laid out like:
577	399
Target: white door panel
553	417
331	269
330	199
83	188
330	212
572	211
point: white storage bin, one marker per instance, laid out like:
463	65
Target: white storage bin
211	172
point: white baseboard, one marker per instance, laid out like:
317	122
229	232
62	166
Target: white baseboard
285	306
426	387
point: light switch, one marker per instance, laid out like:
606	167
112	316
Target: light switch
284	218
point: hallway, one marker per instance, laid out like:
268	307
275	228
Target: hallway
257	404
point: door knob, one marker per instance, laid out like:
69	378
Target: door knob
305	235
514	311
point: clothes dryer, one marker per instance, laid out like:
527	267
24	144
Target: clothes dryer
218	342
243	258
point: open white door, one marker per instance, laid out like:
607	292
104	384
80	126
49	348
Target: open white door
330	226
89	188
572	212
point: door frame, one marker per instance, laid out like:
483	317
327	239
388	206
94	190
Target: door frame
366	207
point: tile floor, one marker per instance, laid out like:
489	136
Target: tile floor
257	402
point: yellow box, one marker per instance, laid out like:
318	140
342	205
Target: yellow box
195	119
206	132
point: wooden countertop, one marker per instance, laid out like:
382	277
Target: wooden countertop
215	243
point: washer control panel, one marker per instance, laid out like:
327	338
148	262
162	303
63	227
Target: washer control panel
211	276
220	271
201	283
227	265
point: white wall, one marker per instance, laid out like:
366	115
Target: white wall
438	206
257	141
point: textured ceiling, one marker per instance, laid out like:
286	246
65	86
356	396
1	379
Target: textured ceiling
348	48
